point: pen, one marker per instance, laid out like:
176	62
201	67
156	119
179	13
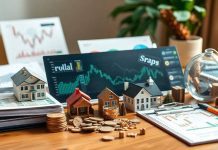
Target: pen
208	108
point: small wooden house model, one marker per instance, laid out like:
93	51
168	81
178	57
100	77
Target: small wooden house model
79	103
28	86
141	96
106	99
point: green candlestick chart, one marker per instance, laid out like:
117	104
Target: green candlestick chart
67	88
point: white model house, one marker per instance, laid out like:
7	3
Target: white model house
28	86
141	96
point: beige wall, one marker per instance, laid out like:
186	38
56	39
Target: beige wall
81	19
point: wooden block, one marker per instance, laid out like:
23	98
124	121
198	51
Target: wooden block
122	134
214	90
131	135
216	102
178	94
142	131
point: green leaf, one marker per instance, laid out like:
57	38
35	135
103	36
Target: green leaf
142	27
182	16
133	1
123	9
137	14
200	12
126	20
123	32
152	26
151	12
164	6
183	4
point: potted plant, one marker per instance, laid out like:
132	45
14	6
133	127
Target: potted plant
182	17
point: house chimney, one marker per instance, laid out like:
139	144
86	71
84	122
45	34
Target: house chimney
77	90
150	81
126	85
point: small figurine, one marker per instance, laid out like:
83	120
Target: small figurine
28	86
214	90
79	104
178	94
141	96
216	102
168	99
123	110
108	104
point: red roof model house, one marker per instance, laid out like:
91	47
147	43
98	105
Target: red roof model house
79	104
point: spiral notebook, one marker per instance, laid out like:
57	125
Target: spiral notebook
192	126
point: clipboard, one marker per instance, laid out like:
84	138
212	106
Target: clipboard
193	127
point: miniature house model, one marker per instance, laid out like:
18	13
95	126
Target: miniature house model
79	103
28	86
142	96
106	99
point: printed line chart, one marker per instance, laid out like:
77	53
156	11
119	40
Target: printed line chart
29	40
36	38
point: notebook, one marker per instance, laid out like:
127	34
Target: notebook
193	126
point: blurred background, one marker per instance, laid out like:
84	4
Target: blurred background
90	19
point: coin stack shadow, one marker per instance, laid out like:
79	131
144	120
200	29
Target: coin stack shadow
56	122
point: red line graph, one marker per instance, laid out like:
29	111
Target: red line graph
37	53
35	38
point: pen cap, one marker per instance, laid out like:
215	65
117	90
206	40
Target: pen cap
200	76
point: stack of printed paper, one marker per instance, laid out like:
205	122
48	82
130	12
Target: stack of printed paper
14	114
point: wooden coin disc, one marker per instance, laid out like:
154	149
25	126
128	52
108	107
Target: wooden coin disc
135	121
77	121
110	123
96	119
89	129
108	138
55	115
86	124
74	130
106	129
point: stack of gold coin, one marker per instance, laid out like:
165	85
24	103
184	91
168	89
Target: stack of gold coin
56	122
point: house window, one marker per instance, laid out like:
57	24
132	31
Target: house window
147	106
42	86
21	88
132	101
124	98
38	94
154	99
110	96
26	87
147	100
142	107
106	104
137	101
38	86
24	96
142	92
42	94
142	100
114	103
137	107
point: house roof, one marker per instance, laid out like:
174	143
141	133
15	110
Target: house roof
80	100
22	75
103	92
132	90
150	86
76	96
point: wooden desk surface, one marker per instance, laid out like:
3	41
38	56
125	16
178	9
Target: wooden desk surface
39	138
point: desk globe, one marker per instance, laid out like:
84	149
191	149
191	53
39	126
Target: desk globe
201	74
